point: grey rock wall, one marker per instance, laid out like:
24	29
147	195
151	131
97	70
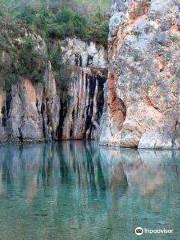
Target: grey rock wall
142	108
82	102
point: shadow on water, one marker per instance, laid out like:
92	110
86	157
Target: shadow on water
78	190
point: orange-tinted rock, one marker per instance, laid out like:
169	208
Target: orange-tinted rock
144	47
116	107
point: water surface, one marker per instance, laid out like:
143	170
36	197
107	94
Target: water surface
77	190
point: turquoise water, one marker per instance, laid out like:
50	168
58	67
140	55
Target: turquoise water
77	190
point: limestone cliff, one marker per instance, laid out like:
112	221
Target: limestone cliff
142	107
137	107
29	111
46	110
83	100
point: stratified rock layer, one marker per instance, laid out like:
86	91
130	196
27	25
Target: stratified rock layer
142	107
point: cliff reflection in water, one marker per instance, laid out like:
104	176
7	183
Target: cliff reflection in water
79	164
85	191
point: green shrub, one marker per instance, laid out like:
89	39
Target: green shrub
66	23
31	63
26	15
22	61
61	71
8	71
53	25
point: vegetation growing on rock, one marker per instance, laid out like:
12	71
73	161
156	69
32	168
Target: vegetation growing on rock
23	23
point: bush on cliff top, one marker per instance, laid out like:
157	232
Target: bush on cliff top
31	62
66	23
52	24
19	58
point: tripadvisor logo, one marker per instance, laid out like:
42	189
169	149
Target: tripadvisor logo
139	231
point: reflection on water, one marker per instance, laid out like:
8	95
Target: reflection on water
77	190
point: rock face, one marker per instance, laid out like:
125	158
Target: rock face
32	111
142	106
83	100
